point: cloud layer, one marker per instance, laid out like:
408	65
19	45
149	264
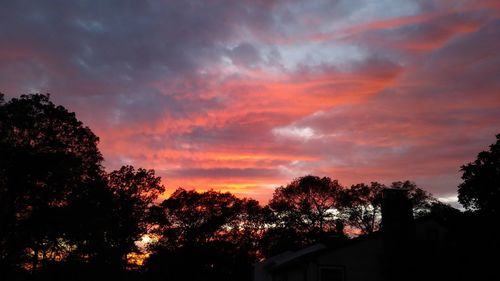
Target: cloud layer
246	95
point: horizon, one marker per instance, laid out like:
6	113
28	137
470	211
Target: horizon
244	97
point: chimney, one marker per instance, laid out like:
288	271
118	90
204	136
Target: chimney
397	229
397	210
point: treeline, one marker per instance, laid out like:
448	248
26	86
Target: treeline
62	216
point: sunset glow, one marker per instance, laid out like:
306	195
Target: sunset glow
245	96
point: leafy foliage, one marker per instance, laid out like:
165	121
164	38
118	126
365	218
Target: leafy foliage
209	235
362	206
306	204
480	189
48	161
134	194
301	213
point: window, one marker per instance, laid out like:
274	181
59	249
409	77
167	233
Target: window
331	273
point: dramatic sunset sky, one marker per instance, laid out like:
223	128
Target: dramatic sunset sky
247	95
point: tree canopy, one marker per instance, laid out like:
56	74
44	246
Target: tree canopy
57	204
362	206
209	235
134	194
49	159
306	204
480	189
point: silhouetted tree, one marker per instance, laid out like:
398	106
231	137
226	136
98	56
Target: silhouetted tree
134	194
479	235
480	189
209	235
190	217
302	213
47	159
247	229
361	205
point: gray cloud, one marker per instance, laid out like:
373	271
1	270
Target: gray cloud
155	75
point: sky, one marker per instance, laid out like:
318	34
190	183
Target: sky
245	96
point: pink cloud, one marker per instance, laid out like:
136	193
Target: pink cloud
243	97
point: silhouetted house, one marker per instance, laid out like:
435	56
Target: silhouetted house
405	249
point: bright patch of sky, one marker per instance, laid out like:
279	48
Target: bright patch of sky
372	10
317	54
309	19
302	133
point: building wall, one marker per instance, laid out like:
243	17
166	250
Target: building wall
361	261
367	260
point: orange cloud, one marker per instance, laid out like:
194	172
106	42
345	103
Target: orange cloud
273	92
